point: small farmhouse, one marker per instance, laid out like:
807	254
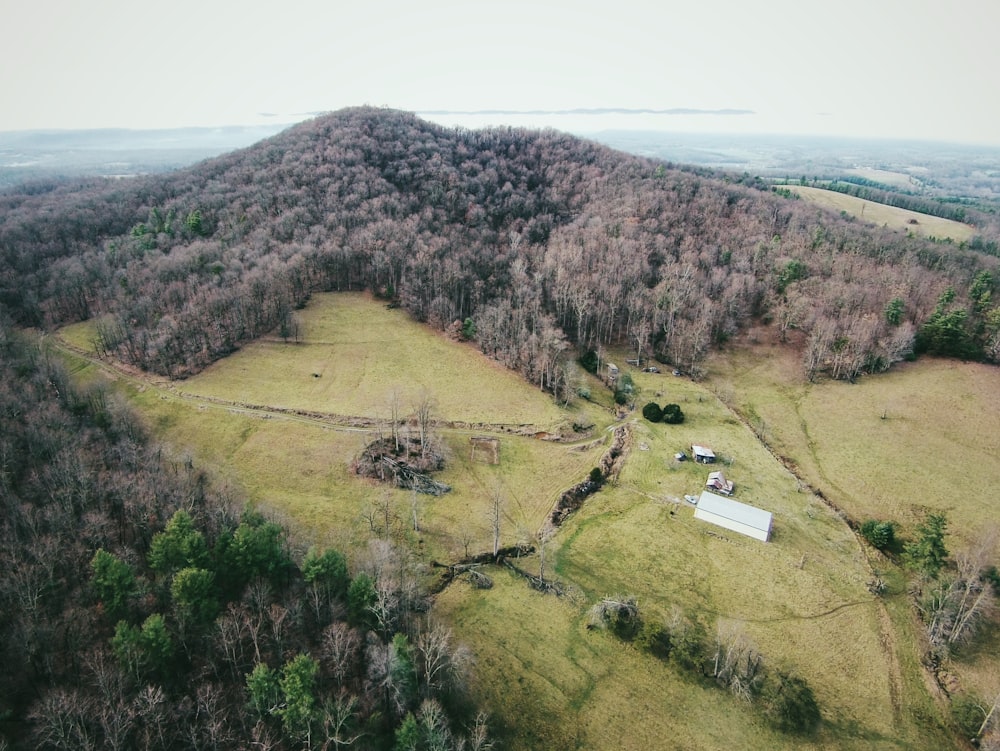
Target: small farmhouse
718	482
733	515
703	454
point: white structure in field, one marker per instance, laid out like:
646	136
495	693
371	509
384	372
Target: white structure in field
738	517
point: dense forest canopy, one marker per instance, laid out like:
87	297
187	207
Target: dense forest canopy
142	608
541	239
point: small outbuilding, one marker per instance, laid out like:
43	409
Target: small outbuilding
718	482
703	454
485	449
612	372
735	516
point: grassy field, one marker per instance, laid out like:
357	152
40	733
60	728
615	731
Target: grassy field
889	216
902	180
301	465
354	353
801	599
920	438
550	682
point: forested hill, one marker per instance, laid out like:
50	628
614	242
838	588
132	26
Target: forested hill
550	244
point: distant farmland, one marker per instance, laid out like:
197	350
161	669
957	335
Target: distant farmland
889	216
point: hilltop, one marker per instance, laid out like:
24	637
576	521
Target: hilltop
541	239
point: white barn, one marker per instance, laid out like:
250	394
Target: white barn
733	515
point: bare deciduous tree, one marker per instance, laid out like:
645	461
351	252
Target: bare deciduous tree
736	664
424	411
439	663
495	517
340	650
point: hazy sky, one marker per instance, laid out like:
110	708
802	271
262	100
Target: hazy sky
894	68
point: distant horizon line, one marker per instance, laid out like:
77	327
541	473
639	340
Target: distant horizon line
594	111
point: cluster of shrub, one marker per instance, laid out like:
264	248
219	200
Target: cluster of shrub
729	661
668	413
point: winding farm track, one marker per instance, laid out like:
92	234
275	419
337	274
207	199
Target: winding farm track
348	423
887	635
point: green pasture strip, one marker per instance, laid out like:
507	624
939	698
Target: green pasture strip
80	335
355	353
920	438
925	225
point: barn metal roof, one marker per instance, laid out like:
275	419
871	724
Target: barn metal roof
727	508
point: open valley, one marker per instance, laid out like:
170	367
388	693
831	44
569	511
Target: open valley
264	422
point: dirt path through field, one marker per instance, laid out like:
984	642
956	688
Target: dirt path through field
350	423
887	635
887	640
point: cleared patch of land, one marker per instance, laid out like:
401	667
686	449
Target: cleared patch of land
246	419
354	353
922	436
887	177
889	216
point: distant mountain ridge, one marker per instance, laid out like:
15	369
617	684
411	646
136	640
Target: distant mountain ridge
594	111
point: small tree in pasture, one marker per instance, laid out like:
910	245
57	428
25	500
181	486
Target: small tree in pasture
879	534
652	412
672	414
927	554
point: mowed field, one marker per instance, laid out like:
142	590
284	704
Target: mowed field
549	681
354	353
889	216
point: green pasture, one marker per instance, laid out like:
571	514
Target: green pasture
889	216
302	469
922	437
551	683
801	598
354	353
299	465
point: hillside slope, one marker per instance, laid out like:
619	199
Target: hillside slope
538	237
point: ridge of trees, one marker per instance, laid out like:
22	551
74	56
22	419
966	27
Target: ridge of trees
539	243
138	609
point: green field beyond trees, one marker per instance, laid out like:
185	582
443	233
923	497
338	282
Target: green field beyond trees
284	420
923	225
